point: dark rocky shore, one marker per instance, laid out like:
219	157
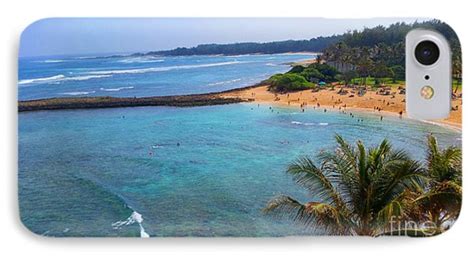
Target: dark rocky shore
112	102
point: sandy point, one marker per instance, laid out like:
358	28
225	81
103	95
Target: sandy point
371	101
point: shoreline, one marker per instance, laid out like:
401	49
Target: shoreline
258	93
371	102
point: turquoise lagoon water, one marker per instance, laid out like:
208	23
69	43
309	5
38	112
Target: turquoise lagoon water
165	171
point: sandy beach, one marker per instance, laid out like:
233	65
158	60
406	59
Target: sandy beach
330	99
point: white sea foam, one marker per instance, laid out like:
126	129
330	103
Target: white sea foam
42	80
85	77
224	82
109	73
116	89
59	78
301	123
50	61
323	123
132	60
162	69
77	93
53	61
134	218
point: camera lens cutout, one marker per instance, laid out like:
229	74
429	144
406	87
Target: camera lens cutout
427	52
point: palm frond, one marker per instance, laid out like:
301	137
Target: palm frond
306	174
312	215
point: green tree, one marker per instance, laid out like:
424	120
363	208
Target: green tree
296	69
398	73
439	200
328	71
288	82
381	71
364	64
312	75
457	67
357	190
348	76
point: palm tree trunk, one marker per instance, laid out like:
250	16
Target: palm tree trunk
457	85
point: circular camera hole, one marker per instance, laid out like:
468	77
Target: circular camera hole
427	52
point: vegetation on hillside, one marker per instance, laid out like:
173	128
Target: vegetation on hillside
376	191
312	45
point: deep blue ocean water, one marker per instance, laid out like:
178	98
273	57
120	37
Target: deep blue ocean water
165	171
128	76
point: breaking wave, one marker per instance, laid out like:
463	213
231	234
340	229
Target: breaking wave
132	60
53	61
134	218
77	93
116	89
224	82
163	69
42	80
60	78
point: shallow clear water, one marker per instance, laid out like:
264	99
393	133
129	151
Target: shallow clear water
201	171
127	76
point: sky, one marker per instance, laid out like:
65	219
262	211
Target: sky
89	36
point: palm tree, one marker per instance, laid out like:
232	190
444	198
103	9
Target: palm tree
440	199
357	189
457	68
364	64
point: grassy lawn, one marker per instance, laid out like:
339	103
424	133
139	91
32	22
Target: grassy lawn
388	82
458	85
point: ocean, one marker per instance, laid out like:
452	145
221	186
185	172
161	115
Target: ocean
139	76
167	171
